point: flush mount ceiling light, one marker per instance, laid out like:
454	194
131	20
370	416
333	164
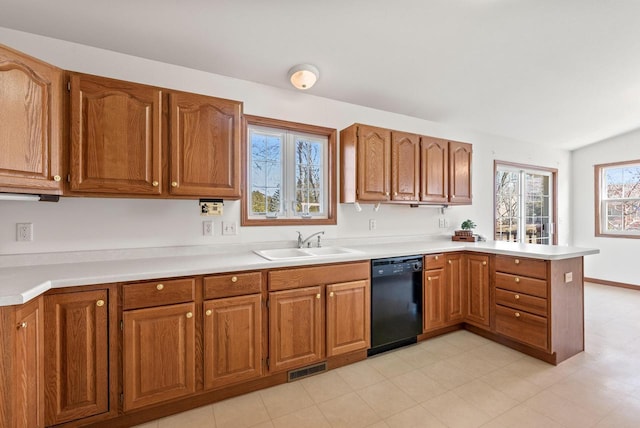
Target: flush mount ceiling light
303	76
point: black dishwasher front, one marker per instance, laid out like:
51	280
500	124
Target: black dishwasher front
396	302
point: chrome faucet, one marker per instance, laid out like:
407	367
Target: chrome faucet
301	241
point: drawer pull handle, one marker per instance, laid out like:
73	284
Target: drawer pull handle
450	262
174	184
484	263
209	312
517	279
23	324
57	178
189	314
517	297
234	279
331	294
318	296
517	314
100	303
155	184
435	258
159	287
517	261
428	278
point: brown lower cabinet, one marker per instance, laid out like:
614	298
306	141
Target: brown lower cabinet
456	297
477	290
434	294
348	317
79	355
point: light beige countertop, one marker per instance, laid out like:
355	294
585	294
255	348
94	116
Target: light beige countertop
23	277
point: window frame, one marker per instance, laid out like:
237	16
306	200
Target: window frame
553	172
599	170
330	171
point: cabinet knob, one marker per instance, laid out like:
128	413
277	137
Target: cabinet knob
395	193
517	279
435	258
517	261
100	303
318	296
174	184
517	314
155	184
57	178
189	314
331	294
484	263
517	297
428	278
234	279
159	287
23	324
386	193
449	261
208	312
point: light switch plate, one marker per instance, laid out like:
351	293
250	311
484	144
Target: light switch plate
229	228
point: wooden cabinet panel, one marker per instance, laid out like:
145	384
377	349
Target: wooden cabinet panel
434	294
296	328
232	285
158	354
478	289
232	340
205	146
28	369
460	172
434	162
522	284
374	163
31	132
76	355
522	326
116	134
522	266
156	293
456	297
405	166
348	317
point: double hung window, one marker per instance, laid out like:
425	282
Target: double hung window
618	199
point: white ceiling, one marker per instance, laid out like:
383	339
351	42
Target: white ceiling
564	73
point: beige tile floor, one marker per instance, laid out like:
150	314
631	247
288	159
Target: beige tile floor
460	380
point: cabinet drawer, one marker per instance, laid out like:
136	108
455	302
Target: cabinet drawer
521	326
433	261
522	266
520	284
232	285
325	274
158	293
524	302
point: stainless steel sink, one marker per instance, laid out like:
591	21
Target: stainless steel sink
303	253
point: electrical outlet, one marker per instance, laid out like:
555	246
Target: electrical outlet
372	224
24	232
207	228
441	223
446	222
568	277
229	228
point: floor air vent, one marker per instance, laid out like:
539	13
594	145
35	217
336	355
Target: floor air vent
306	371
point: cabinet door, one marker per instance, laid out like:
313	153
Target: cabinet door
348	317
478	289
405	166
374	163
296	328
434	155
456	296
205	146
232	340
31	130
158	354
29	366
76	355
434	300
116	133
459	172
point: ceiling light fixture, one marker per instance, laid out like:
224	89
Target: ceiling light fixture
303	76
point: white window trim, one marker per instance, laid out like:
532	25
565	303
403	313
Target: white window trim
288	173
602	203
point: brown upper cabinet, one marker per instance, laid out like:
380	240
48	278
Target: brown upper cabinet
120	133
422	169
31	108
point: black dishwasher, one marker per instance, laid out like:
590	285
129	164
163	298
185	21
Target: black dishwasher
396	302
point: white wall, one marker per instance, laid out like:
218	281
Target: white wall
618	258
94	223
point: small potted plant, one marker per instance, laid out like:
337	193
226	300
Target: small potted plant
467	227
